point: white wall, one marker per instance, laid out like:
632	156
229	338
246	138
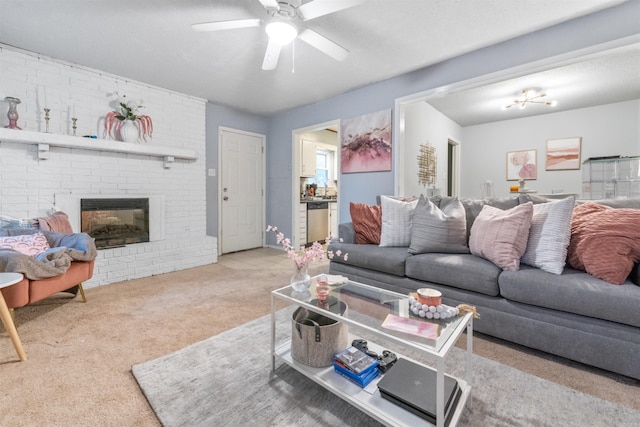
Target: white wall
424	124
28	186
605	130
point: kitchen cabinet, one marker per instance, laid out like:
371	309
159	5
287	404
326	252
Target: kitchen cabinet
611	178
308	159
333	219
302	225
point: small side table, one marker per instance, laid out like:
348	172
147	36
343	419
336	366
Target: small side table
6	280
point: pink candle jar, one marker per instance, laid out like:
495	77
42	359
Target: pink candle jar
322	287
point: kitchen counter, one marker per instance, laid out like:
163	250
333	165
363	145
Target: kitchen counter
317	199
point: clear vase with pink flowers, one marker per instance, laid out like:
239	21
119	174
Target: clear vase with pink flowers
300	280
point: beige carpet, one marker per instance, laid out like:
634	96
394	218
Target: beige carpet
78	370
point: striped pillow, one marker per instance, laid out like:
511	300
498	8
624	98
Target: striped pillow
442	229
397	217
501	236
549	235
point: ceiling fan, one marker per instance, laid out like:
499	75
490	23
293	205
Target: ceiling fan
282	29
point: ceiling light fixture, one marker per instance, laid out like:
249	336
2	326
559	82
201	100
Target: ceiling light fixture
281	32
530	96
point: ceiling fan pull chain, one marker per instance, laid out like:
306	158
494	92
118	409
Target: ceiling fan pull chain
293	57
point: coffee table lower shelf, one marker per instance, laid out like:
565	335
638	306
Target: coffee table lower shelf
372	404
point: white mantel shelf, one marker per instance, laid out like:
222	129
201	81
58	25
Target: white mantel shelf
46	140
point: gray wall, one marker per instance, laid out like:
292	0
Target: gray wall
218	115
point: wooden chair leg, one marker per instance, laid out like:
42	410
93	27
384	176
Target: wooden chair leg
81	289
13	315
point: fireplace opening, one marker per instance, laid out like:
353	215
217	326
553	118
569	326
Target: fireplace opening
115	222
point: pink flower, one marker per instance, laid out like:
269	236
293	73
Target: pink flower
305	255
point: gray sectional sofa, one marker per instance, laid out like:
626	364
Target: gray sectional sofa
573	315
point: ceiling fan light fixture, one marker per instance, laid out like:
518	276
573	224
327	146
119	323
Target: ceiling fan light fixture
281	32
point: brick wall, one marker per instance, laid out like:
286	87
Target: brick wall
29	186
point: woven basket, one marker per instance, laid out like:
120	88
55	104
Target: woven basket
315	338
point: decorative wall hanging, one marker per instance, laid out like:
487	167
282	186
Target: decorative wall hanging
366	143
427	165
521	165
563	154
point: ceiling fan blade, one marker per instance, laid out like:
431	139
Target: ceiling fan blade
270	3
271	56
324	45
317	8
226	25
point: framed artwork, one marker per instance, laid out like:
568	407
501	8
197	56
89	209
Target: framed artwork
563	154
366	143
522	165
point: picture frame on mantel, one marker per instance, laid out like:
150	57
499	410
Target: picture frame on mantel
522	164
563	154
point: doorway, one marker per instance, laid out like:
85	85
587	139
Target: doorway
241	204
453	168
321	143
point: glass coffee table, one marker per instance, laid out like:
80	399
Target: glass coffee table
368	309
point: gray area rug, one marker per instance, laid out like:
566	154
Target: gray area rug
227	380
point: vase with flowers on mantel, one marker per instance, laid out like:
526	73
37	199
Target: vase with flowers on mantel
126	124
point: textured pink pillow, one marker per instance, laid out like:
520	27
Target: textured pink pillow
367	223
605	242
28	244
501	236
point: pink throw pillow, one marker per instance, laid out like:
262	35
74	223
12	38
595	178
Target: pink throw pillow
605	242
367	223
28	244
501	236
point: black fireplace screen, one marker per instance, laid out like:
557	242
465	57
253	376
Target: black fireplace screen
115	222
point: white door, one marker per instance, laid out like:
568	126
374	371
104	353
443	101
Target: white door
241	190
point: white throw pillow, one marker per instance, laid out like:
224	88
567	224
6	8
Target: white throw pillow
549	235
397	217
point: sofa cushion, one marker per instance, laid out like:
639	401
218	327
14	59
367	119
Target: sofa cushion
367	222
573	292
501	236
439	229
605	242
472	207
389	260
462	271
396	221
28	244
549	235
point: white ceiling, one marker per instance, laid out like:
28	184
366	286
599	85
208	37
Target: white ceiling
151	41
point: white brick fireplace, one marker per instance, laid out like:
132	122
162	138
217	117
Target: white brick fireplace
32	183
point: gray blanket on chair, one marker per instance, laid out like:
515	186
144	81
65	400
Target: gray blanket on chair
65	248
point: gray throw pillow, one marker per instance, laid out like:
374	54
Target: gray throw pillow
442	230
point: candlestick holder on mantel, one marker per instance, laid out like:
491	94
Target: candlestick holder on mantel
74	125
46	120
